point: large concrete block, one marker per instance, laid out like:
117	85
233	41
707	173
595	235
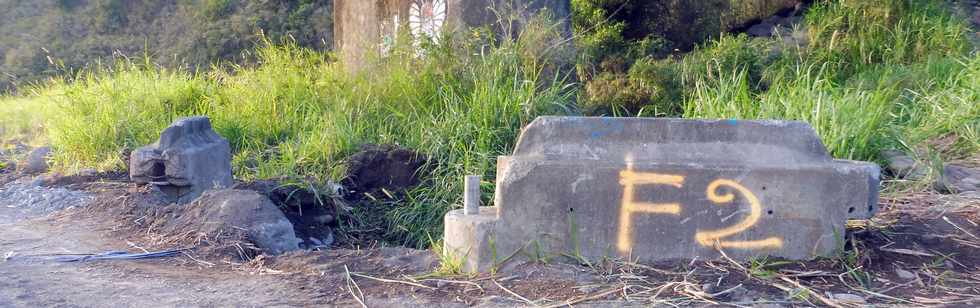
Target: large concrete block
188	159
368	28
665	189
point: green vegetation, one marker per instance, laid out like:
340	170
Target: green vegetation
42	39
868	75
300	114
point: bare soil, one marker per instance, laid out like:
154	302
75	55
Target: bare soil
921	250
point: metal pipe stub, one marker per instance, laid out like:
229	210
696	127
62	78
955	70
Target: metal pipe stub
471	195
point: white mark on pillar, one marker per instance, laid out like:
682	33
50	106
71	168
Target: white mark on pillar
581	178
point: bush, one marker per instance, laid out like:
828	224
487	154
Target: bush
650	88
878	74
110	15
214	9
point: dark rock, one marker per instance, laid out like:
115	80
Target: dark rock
36	162
325	242
47	180
88	172
316	241
903	166
958	179
907	275
764	29
324	219
310	207
790	21
189	159
385	167
226	212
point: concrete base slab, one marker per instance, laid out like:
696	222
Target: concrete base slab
554	205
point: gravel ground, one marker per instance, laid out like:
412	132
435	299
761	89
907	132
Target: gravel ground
27	195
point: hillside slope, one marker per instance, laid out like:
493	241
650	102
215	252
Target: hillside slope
49	37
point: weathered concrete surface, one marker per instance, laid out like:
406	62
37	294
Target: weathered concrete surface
472	237
665	189
229	212
367	28
188	159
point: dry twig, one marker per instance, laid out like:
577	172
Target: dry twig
351	286
529	302
394	281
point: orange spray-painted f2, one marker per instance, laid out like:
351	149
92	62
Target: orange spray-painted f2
707	238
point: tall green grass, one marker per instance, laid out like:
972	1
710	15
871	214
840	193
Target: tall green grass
874	74
300	114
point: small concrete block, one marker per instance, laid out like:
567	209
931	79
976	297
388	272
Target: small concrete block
666	189
471	238
188	159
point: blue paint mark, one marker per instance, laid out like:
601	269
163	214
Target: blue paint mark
732	121
607	127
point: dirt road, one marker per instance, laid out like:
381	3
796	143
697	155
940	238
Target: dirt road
920	251
31	281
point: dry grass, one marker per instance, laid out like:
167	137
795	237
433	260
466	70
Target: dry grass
906	239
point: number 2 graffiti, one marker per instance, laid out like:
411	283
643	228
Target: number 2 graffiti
708	238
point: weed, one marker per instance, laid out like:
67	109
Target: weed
864	86
537	254
576	254
851	261
762	268
867	75
450	263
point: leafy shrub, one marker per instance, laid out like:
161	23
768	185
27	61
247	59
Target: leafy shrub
649	88
214	9
110	15
877	74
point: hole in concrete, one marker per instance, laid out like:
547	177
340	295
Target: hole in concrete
571	210
158	171
763	188
769	212
871	208
850	210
